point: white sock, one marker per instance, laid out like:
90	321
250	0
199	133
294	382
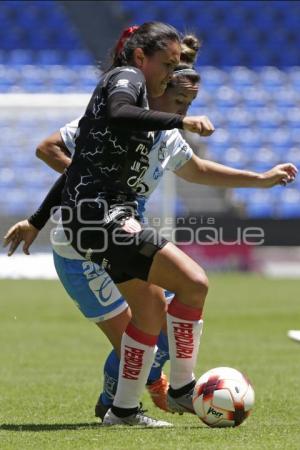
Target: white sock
137	356
184	332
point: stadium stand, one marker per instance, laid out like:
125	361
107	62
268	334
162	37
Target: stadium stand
24	41
254	106
248	33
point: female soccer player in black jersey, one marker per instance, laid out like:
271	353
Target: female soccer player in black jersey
100	215
181	91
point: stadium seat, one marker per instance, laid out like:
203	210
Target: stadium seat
260	46
235	157
288	204
261	203
293	155
250	84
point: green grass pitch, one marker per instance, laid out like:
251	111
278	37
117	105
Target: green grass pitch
51	370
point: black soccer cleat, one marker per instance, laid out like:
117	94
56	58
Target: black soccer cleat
101	409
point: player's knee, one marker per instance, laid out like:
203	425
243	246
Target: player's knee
198	289
204	284
159	308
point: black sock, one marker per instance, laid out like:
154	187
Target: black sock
175	393
123	412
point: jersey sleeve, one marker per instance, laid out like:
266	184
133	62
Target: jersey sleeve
128	79
50	203
68	134
179	150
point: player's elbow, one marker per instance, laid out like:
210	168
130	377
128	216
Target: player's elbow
38	152
42	150
48	151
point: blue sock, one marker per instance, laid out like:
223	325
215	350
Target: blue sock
111	373
162	355
111	370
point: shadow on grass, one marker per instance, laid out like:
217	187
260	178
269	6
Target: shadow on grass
37	427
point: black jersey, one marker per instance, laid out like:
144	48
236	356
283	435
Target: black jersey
107	156
113	139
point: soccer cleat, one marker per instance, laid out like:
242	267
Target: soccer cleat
101	409
158	392
182	404
294	334
138	418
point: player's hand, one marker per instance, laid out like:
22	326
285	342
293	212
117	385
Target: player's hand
21	231
198	124
282	174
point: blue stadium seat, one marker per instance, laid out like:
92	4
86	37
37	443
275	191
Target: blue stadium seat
242	78
3	57
20	57
293	74
261	203
239	118
9	78
280	138
293	155
269	118
259	46
235	157
241	195
212	78
288	204
203	99
220	137
249	139
256	97
226	97
7	178
51	56
292	116
29	28
266	157
79	57
286	97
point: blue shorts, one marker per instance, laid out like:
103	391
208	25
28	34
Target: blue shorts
91	288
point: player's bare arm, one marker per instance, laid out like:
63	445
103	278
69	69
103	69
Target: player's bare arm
54	152
202	171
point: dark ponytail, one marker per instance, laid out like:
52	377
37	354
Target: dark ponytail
150	37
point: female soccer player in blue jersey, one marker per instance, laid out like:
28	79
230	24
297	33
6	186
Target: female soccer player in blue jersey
100	216
183	319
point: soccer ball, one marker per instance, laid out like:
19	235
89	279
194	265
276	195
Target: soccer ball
223	397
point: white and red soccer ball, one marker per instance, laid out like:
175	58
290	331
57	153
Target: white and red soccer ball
223	397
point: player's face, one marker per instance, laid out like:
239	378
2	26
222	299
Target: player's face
159	67
177	99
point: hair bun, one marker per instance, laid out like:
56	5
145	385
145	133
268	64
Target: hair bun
190	46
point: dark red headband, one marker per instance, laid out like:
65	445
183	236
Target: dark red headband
124	36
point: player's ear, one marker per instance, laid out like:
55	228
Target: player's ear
138	57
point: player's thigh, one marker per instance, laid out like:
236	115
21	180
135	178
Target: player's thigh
177	272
